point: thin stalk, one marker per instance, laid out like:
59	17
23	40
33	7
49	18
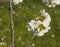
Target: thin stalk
11	24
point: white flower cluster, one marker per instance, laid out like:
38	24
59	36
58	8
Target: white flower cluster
51	3
35	24
17	1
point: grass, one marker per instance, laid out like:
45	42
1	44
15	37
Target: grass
28	9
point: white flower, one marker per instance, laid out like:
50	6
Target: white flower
47	20
17	1
40	34
34	24
52	3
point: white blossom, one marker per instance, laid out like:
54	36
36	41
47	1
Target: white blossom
52	3
33	25
17	1
40	34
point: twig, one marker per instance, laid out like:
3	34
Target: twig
20	17
11	24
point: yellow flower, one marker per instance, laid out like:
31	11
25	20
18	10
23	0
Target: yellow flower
37	17
38	29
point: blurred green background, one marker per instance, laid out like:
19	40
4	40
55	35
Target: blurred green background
24	38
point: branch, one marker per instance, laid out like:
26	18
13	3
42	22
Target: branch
20	17
11	24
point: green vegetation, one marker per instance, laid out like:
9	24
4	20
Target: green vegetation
28	9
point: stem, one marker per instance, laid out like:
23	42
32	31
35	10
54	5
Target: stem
11	24
20	17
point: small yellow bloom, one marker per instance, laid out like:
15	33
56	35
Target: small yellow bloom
38	29
37	17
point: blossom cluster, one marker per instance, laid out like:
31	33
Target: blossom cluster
17	1
51	3
34	24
